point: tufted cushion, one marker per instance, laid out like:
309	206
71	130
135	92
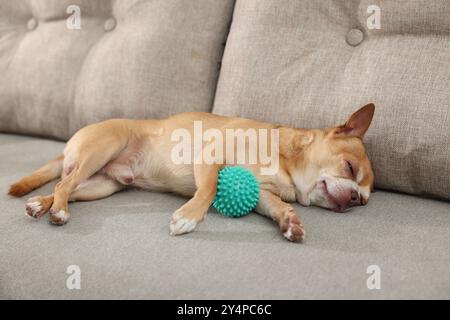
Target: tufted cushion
312	63
134	58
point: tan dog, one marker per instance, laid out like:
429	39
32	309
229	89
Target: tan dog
327	168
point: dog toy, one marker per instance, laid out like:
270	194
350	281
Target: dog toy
237	192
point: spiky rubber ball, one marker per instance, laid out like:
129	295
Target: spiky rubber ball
237	192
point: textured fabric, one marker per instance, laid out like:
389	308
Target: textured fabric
134	59
304	64
123	248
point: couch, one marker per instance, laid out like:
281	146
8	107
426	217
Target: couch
303	63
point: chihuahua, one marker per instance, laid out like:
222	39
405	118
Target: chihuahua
328	167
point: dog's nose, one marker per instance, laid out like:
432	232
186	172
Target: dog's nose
354	199
354	196
350	199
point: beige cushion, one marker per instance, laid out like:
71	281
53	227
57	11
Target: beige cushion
299	63
135	59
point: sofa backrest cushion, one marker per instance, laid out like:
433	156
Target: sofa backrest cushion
133	59
312	63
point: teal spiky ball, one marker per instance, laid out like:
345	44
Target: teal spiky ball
237	192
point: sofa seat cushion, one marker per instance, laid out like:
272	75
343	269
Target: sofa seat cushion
133	59
123	249
312	63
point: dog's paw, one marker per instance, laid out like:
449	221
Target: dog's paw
35	207
292	228
180	224
59	217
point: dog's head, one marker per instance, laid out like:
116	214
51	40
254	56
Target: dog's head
334	171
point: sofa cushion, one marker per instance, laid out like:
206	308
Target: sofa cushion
134	59
124	251
312	63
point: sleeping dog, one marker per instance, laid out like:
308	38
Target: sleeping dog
328	168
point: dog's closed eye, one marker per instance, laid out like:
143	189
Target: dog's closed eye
350	168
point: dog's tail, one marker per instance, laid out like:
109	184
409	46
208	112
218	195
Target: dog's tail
48	172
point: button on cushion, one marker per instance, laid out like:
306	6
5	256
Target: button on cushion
354	37
110	24
32	24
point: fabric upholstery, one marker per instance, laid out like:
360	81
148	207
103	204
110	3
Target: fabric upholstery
133	59
312	63
123	248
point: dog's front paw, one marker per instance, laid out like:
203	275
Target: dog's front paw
292	227
36	207
181	224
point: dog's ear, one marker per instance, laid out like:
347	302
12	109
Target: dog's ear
358	123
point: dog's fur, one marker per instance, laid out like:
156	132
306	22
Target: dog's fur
324	167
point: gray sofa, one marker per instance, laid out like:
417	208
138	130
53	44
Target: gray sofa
304	63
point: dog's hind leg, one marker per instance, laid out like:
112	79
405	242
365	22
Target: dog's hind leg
96	187
89	160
